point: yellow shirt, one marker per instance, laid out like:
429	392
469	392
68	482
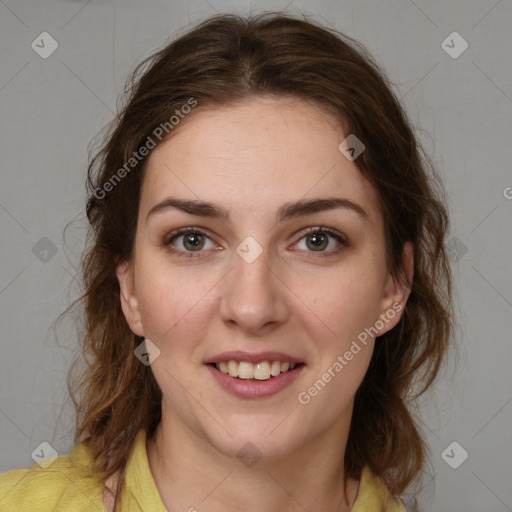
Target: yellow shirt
67	486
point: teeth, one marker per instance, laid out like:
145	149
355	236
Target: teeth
260	371
233	368
245	370
275	369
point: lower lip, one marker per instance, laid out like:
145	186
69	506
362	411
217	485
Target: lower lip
255	388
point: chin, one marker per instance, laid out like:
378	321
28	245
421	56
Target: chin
254	439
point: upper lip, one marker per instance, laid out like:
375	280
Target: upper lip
253	357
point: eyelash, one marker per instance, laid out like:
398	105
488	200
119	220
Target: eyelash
311	254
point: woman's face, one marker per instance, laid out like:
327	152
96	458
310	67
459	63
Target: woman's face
283	262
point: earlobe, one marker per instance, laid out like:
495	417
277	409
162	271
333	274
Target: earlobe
129	302
397	291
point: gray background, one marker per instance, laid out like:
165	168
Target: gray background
52	108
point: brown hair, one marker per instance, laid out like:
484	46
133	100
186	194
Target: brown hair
223	60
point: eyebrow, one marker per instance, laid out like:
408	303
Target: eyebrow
286	212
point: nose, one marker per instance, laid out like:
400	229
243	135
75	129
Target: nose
254	297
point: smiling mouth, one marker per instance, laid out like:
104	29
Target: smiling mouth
245	370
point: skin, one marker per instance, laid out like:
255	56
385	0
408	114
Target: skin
251	158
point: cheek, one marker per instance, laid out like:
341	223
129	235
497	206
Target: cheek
344	308
341	305
172	300
348	303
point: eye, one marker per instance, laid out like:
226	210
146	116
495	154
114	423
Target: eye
191	242
325	241
188	240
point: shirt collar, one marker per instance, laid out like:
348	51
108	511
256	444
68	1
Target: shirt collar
139	479
372	495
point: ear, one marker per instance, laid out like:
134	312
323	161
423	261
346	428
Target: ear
396	292
129	302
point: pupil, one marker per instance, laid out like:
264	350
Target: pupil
318	241
194	241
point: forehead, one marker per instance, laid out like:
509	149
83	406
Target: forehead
263	151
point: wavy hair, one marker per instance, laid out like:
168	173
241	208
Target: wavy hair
224	60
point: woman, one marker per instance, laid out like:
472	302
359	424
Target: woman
267	289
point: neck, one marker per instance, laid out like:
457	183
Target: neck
191	474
